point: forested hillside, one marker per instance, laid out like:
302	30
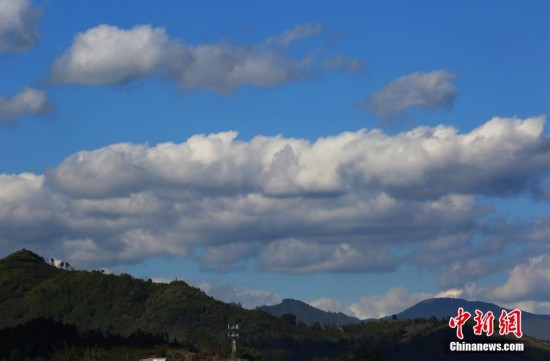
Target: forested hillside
121	304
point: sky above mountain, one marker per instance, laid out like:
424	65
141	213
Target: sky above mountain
359	157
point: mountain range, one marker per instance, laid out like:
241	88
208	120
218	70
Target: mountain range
534	325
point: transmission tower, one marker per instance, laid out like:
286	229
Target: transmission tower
232	332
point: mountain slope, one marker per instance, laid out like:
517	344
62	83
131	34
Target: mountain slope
308	314
121	304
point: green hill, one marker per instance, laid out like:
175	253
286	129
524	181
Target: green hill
31	288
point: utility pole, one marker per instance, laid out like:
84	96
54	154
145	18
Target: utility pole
232	332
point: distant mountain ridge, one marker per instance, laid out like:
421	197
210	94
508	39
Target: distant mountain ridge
534	325
445	306
308	314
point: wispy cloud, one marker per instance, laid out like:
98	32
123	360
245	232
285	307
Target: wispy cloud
29	101
345	63
237	294
298	33
429	91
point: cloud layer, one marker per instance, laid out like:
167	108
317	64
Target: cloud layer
429	91
18	25
108	55
355	202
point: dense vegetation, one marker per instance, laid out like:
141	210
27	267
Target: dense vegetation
59	314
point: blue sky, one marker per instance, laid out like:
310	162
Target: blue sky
359	157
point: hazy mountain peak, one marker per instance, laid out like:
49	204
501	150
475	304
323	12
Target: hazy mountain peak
308	314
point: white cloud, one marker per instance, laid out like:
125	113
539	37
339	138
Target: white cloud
28	101
23	202
392	302
450	293
19	188
327	304
503	156
528	281
18	25
539	307
424	90
108	55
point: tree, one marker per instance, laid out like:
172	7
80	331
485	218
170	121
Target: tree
316	326
289	318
